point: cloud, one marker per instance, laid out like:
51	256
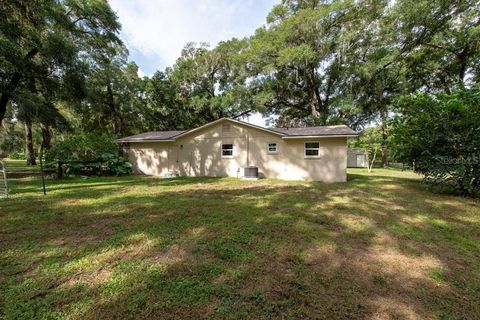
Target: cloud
156	31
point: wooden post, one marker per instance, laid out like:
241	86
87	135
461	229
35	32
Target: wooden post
60	170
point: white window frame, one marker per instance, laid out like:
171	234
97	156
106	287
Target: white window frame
268	147
305	149
221	150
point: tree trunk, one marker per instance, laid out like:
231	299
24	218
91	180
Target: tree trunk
384	156
60	170
117	119
474	187
463	59
384	149
313	108
30	151
314	96
46	138
7	93
370	163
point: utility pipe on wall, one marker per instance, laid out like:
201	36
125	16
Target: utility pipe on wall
248	151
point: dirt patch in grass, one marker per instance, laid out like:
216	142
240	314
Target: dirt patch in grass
172	255
98	276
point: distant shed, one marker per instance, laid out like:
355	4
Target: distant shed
357	158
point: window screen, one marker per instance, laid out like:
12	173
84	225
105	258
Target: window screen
312	149
227	150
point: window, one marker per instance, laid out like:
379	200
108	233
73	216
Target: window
272	147
226	128
312	149
227	150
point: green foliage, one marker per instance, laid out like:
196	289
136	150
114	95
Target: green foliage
115	89
88	155
118	166
44	43
203	85
12	138
346	61
85	147
63	68
371	140
441	134
369	137
104	165
46	50
17	155
294	60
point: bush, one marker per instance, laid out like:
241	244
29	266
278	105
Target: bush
106	164
441	135
17	155
88	155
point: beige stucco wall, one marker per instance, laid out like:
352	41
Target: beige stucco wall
150	158
199	154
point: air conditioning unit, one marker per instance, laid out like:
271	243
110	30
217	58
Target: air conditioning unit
171	174
250	172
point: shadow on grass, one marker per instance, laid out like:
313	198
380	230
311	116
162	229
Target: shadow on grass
209	247
33	184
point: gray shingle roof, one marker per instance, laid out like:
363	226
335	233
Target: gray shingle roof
153	135
339	130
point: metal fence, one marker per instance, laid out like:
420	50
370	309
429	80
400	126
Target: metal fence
3	180
11	170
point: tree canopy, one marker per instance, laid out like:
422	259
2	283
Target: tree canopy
441	135
63	68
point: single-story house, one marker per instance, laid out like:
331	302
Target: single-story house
357	158
225	147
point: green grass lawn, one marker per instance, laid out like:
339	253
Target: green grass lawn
378	247
19	165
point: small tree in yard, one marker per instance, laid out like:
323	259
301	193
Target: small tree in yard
372	152
370	140
441	135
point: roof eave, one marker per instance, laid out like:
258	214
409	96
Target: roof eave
321	136
145	140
